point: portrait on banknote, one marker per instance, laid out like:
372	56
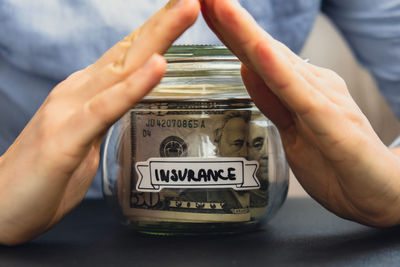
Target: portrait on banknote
187	165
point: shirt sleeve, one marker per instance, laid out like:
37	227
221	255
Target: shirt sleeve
372	29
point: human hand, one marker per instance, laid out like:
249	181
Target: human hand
49	168
330	145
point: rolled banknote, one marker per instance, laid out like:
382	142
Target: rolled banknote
190	162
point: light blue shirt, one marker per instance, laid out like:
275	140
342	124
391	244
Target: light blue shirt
44	41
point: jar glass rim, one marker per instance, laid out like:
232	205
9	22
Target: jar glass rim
179	53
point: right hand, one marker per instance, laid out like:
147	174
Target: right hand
48	169
330	145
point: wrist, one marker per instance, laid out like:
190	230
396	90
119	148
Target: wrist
378	201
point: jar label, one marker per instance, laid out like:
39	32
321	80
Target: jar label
158	173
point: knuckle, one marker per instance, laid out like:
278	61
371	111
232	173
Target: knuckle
54	95
76	81
329	73
313	105
78	73
128	84
334	80
334	76
316	106
95	106
118	67
95	110
340	82
189	13
77	78
129	39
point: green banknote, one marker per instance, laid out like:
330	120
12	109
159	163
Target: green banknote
198	187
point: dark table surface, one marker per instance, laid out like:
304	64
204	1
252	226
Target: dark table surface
301	234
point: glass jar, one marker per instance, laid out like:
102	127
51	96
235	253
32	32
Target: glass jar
195	155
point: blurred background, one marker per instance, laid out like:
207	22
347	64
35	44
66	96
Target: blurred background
326	48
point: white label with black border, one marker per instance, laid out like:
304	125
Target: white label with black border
158	173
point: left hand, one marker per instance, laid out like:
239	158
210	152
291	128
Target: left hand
47	171
330	145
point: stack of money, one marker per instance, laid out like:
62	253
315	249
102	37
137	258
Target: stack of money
176	130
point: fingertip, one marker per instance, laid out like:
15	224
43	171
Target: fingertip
228	12
206	4
194	7
225	13
188	10
155	61
158	63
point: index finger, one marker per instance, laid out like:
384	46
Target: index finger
155	36
280	68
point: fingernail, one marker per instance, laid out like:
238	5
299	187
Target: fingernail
174	4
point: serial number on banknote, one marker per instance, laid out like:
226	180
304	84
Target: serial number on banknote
175	123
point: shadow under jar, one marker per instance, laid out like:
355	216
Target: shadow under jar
195	155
